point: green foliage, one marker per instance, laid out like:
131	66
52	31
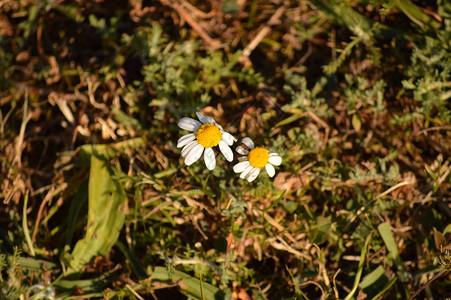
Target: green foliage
105	215
303	98
97	202
181	73
11	286
23	275
430	74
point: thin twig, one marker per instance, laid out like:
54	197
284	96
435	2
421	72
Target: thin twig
439	274
41	208
261	34
215	44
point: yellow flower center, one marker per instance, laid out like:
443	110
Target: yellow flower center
258	157
208	135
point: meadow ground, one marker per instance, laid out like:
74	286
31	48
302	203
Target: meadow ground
98	202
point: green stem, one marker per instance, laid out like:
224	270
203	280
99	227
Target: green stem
25	226
360	268
416	15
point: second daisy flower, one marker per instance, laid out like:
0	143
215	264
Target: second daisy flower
256	158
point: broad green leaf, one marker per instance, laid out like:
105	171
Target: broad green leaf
106	198
75	206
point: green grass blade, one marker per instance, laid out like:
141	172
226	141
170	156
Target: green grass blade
389	240
137	269
188	284
416	15
299	292
360	268
275	202
372	277
87	285
385	289
202	294
296	116
35	264
25	226
342	13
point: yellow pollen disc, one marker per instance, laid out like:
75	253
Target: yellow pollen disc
258	157
208	135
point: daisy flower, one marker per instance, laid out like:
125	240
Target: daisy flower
206	135
257	158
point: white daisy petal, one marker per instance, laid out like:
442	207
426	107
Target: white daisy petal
253	174
189	124
205	119
184	140
209	158
240	167
275	159
228	138
194	154
188	147
270	170
248	142
241	150
246	171
225	149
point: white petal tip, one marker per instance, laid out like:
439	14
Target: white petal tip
248	142
270	170
275	159
209	158
225	149
189	124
